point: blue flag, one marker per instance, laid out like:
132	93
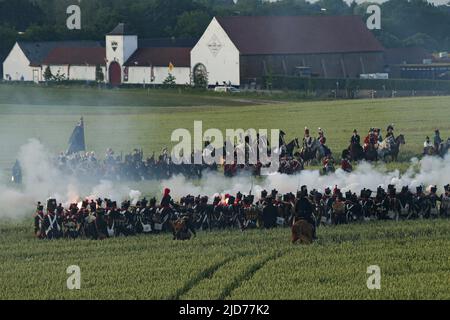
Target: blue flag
76	141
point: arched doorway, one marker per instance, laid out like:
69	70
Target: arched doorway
115	74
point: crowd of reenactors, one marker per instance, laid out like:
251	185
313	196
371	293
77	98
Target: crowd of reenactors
294	156
104	218
131	167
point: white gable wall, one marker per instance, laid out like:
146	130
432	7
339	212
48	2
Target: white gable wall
17	65
218	53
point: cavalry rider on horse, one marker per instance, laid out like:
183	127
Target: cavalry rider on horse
324	150
437	141
428	147
371	140
307	141
390	138
282	143
355	140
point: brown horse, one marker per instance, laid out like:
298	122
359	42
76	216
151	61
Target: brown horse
302	232
180	229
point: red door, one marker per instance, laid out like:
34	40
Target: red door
115	74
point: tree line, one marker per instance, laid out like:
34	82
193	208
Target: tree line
404	22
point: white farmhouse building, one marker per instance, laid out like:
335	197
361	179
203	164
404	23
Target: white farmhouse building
233	50
241	49
217	55
122	59
26	61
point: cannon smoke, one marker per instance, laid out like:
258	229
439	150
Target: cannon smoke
41	180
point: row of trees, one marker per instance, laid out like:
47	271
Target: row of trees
404	22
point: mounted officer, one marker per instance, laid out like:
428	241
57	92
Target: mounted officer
307	140
282	143
390	138
324	150
371	140
355	139
437	141
428	148
390	131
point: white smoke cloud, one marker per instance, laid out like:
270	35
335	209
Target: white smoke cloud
428	171
41	180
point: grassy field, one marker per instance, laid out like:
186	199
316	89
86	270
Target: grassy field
127	119
413	258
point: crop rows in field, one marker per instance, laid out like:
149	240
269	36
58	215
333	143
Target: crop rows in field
258	264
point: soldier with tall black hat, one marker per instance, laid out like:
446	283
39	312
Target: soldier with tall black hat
355	139
304	208
39	221
390	131
445	202
307	140
269	214
52	223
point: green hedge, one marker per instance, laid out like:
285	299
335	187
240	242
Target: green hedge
312	84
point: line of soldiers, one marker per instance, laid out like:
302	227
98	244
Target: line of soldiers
132	166
103	218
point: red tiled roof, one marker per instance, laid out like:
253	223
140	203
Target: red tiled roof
179	57
299	34
76	56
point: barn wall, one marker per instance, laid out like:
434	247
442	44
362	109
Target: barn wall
82	73
140	75
221	64
17	66
62	69
323	65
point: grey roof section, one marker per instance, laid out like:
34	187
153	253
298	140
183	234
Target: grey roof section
167	43
37	51
122	29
